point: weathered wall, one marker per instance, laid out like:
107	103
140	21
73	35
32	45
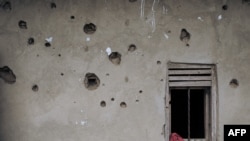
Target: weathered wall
63	109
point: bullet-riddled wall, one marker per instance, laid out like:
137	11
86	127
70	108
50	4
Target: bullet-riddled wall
50	55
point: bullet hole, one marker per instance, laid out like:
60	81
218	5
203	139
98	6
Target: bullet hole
112	99
62	74
72	17
35	88
6	6
107	74
52	5
131	48
132	0
158	62
127	22
7	75
103	104
115	58
59	55
123	105
91	81
245	1
140	91
86	49
22	24
234	83
74	102
185	36
47	44
37	55
89	28
224	7
169	31
103	84
161	79
126	79
31	41
137	100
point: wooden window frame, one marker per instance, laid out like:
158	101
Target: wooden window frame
213	98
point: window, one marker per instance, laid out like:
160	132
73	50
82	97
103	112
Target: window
191	101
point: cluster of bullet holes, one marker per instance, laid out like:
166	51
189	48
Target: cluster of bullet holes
122	104
115	58
7	75
91	81
224	7
52	5
22	24
234	83
35	88
6	6
131	48
185	36
31	41
89	28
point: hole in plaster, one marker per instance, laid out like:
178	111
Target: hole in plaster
35	88
22	24
72	17
107	74
127	22
137	100
185	36
132	0
126	79
234	83
89	28
47	44
225	7
62	74
52	5
103	104
7	75
161	79
140	91
86	49
245	1
6	6
123	105
158	62
112	99
131	48
91	81
59	55
103	84
115	58
31	41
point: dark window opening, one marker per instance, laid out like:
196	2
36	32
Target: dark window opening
188	112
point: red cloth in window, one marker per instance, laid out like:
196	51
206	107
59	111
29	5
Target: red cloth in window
175	137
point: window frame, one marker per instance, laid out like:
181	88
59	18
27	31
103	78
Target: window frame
213	113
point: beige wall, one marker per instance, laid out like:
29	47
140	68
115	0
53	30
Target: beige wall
64	110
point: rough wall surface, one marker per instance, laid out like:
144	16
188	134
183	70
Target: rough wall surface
64	110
